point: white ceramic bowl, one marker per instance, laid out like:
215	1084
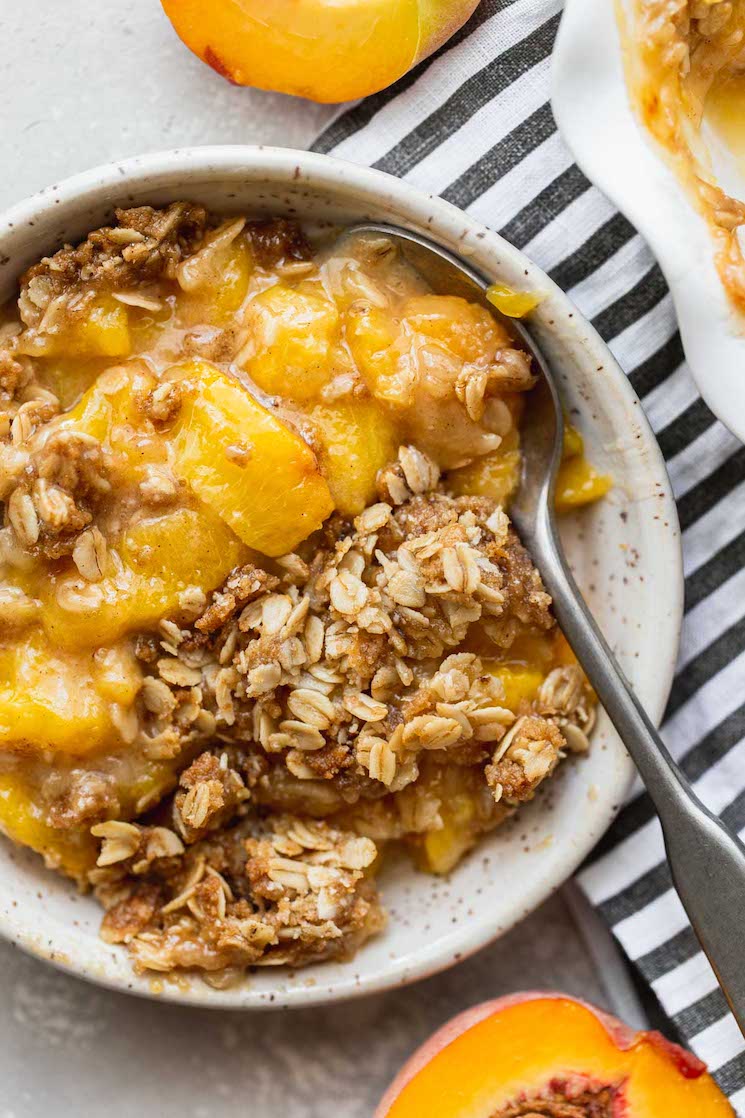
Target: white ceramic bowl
594	114
625	550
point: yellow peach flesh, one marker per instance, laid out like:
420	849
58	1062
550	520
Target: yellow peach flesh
260	477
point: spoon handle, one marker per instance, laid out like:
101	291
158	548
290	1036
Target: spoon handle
707	861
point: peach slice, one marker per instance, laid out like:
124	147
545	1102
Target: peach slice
59	702
463	812
218	284
101	330
359	439
579	483
260	477
544	1054
153	563
325	50
495	475
294	331
72	852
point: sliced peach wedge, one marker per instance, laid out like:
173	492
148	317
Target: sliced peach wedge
326	50
294	332
61	703
550	1054
153	562
358	439
238	458
246	465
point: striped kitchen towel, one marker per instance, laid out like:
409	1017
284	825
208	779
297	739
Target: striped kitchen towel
474	124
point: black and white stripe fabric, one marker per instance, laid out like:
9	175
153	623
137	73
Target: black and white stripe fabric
474	124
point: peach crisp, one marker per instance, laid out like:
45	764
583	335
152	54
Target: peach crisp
262	611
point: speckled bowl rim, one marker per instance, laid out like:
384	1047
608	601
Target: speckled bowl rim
277	167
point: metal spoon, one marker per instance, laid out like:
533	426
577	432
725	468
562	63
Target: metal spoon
706	860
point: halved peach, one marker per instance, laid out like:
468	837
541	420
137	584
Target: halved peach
551	1051
326	50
